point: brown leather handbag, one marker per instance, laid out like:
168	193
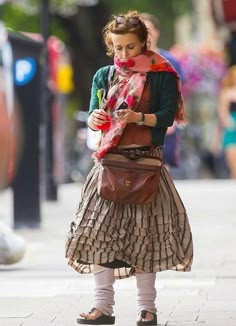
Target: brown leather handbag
129	180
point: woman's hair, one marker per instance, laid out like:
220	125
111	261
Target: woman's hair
230	77
131	22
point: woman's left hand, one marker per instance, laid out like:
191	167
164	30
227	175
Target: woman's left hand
127	115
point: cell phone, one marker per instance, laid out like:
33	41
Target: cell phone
123	106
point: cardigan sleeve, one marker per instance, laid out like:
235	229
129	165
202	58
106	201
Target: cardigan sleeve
166	102
100	80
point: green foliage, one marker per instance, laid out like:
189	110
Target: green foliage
161	8
16	19
25	14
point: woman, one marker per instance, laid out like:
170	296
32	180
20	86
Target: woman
227	115
142	99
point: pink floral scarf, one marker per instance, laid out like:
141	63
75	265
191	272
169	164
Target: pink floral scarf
129	89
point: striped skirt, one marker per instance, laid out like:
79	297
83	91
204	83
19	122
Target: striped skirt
153	237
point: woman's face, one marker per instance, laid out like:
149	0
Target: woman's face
126	45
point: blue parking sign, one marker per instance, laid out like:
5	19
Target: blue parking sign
24	70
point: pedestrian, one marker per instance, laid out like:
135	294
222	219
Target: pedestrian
117	240
171	152
227	116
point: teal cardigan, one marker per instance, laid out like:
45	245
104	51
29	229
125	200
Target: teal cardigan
163	101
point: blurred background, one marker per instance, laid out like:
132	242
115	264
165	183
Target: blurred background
49	51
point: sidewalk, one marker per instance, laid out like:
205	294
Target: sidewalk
42	290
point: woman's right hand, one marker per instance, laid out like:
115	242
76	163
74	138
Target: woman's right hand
99	119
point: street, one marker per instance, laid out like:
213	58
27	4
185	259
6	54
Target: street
43	290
